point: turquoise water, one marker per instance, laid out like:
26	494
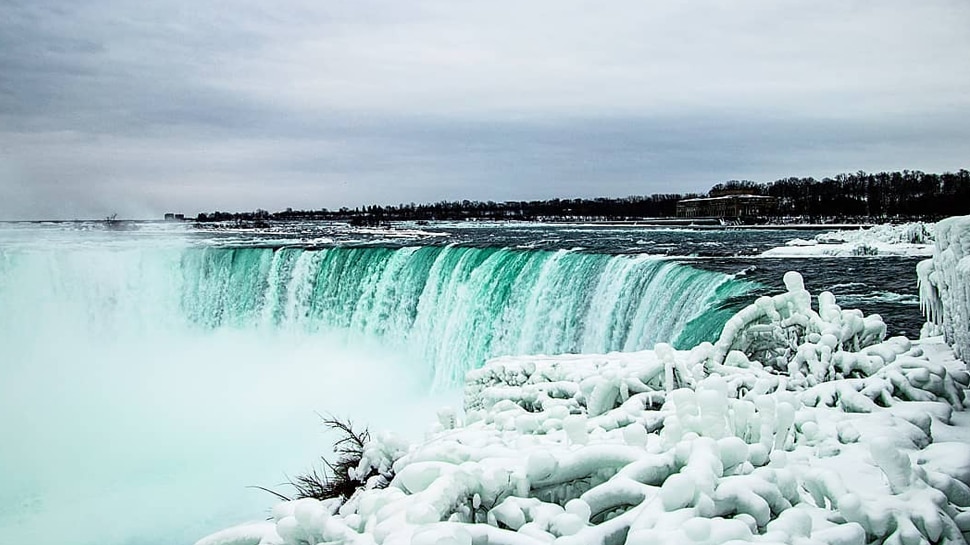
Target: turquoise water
457	306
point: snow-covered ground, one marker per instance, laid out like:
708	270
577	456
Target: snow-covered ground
798	426
909	239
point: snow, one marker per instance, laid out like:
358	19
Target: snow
908	239
801	425
905	233
943	286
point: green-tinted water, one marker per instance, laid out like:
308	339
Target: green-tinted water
456	306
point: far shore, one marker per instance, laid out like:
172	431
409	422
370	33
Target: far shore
686	223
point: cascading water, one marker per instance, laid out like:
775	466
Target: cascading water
452	306
141	383
457	306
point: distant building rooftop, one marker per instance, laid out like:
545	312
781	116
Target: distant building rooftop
727	206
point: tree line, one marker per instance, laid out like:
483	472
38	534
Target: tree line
859	196
908	194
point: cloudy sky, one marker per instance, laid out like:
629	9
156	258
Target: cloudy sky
176	105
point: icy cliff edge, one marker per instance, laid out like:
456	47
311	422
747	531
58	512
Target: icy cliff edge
944	284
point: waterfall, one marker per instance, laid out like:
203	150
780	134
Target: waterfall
451	307
457	306
162	370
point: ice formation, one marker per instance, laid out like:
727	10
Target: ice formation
943	286
914	239
904	233
798	426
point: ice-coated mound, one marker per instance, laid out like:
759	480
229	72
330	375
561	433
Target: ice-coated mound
944	288
785	333
904	233
903	239
799	426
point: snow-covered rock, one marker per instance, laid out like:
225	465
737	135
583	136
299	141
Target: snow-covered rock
801	425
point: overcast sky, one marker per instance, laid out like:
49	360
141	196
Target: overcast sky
174	105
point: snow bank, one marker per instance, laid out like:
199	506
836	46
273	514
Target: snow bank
798	426
908	239
943	284
905	233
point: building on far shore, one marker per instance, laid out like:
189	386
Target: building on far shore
174	217
728	206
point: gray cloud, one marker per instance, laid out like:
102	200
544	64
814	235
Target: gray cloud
174	105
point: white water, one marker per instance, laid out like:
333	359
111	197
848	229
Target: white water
457	306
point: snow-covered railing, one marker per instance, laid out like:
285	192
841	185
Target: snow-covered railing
798	426
944	284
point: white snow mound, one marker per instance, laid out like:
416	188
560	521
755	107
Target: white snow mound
908	239
798	426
